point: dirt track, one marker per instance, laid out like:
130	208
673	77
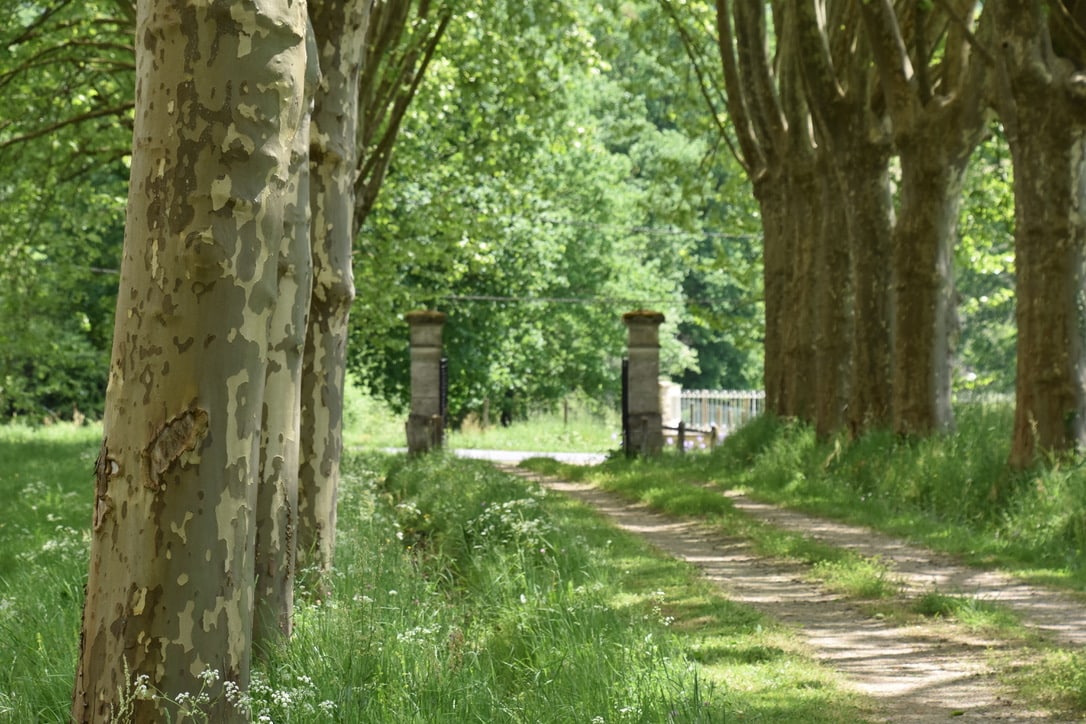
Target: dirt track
913	673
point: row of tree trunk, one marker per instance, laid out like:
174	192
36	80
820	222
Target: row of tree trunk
824	96
262	135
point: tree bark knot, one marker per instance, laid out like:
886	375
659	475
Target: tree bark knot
105	469
177	436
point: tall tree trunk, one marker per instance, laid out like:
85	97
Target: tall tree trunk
170	589
1049	177
833	332
849	122
277	497
340	28
776	270
934	103
798	320
923	282
1042	107
870	220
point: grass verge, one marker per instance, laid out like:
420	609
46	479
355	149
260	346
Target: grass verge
460	594
952	493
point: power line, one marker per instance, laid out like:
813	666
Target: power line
616	228
607	301
601	301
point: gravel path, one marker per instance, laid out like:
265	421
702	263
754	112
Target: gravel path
925	672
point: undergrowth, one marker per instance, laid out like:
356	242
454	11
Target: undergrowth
459	594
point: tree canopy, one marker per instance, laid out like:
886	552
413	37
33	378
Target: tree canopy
557	165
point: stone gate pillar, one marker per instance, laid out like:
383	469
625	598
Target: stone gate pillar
646	434
425	427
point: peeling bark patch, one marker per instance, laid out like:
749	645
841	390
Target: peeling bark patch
177	436
105	469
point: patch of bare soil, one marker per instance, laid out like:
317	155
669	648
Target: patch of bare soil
922	672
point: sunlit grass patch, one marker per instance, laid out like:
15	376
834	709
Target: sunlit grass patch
459	594
857	577
582	623
1056	678
970	611
579	428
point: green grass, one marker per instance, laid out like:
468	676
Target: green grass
969	611
952	492
460	594
575	426
579	430
46	483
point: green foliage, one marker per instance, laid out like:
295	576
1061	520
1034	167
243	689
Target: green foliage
459	594
984	268
576	426
1058	679
967	610
566	194
67	85
867	578
46	481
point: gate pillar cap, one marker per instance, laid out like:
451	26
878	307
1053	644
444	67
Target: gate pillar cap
425	316
643	316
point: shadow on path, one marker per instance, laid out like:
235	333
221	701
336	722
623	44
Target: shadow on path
913	673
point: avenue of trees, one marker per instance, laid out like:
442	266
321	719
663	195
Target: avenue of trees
882	106
816	193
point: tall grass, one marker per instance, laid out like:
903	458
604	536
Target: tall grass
465	595
459	594
47	487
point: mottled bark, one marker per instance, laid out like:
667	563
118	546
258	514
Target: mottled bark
1043	107
340	29
277	497
772	125
870	220
776	271
170	591
798	320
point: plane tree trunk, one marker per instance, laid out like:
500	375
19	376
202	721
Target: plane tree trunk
850	125
1042	103
936	124
171	583
340	30
277	496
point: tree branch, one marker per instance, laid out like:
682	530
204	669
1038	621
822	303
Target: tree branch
703	85
372	173
73	120
891	54
738	107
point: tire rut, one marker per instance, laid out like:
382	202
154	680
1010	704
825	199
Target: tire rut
912	673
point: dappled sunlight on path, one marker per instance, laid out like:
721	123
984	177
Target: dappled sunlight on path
913	673
1063	616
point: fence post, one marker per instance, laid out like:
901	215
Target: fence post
682	437
425	424
626	449
643	350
